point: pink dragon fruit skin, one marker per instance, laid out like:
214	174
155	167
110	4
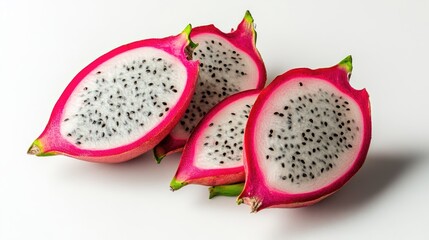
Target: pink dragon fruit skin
175	49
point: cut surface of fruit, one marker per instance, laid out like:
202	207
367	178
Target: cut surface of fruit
213	154
307	135
229	63
123	103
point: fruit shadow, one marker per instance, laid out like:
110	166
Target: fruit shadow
139	172
379	173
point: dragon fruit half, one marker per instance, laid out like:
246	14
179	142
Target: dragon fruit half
123	103
213	154
229	63
308	133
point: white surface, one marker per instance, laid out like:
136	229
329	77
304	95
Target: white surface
43	44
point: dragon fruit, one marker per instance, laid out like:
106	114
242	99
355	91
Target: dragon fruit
123	103
308	133
229	63
213	153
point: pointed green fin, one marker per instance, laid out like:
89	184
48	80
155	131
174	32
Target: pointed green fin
232	190
191	45
158	158
176	185
36	148
248	17
346	64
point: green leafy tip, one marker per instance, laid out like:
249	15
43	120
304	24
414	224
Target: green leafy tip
187	32
248	17
232	190
36	148
176	185
346	64
158	157
248	24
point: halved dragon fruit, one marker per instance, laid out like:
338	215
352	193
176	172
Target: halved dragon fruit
123	103
308	133
229	63
213	153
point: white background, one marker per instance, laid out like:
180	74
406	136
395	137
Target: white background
43	44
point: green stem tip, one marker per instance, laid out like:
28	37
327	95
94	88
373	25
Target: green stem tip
231	190
158	157
248	17
346	64
187	32
176	185
35	148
